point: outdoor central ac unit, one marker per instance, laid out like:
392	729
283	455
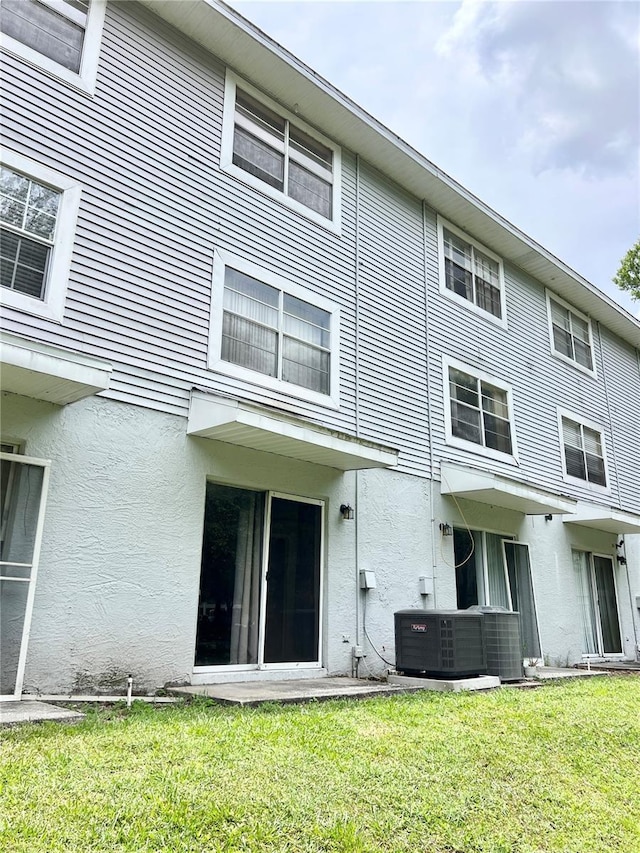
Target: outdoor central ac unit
501	630
441	643
482	640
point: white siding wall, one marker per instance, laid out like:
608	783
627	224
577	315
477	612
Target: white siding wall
155	206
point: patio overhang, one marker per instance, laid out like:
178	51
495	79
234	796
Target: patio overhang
488	488
53	374
245	425
605	518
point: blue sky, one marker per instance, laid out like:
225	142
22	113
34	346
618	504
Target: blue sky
532	105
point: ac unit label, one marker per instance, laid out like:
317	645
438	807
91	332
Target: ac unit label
419	628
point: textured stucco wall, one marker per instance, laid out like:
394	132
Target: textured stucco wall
119	575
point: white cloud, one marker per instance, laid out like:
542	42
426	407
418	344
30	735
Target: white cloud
567	73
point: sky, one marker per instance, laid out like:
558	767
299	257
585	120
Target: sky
532	105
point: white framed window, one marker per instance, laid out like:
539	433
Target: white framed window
584	457
571	334
271	332
38	213
62	37
471	274
479	413
275	152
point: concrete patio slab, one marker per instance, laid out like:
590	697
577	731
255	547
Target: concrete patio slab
28	711
304	690
552	672
455	685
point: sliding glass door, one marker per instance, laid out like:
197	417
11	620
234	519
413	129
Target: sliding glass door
598	603
260	581
22	503
495	570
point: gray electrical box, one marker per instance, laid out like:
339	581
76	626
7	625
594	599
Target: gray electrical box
367	579
425	585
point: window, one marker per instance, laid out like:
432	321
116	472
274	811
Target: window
470	273
571	337
268	330
479	411
60	36
276	153
38	210
583	448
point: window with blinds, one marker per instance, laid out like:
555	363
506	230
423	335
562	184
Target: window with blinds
479	412
54	28
583	452
267	330
276	152
470	273
282	155
28	212
571	337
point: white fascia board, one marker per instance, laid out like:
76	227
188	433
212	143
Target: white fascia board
488	488
234	422
53	374
606	518
256	57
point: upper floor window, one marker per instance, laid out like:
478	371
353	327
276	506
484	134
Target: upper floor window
480	411
469	273
266	329
277	153
571	337
38	210
60	36
583	450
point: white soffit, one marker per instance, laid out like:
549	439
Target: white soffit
56	375
487	488
255	56
239	423
605	518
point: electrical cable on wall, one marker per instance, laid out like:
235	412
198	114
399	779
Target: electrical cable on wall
366	633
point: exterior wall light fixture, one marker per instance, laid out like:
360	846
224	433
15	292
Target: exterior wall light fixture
446	529
347	512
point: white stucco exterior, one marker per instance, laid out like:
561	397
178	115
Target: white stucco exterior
119	573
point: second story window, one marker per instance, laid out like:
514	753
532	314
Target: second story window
275	152
570	334
38	212
479	411
470	273
61	36
29	212
54	29
583	452
270	332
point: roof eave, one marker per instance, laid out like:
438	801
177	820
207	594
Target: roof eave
253	55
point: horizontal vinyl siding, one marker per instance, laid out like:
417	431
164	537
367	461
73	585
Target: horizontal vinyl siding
154	208
621	372
391	333
521	356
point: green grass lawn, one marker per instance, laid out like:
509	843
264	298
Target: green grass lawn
553	769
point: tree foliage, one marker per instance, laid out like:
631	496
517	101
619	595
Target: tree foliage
628	276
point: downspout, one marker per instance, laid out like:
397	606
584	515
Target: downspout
356	331
434	572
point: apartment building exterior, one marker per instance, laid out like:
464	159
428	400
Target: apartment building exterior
253	346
